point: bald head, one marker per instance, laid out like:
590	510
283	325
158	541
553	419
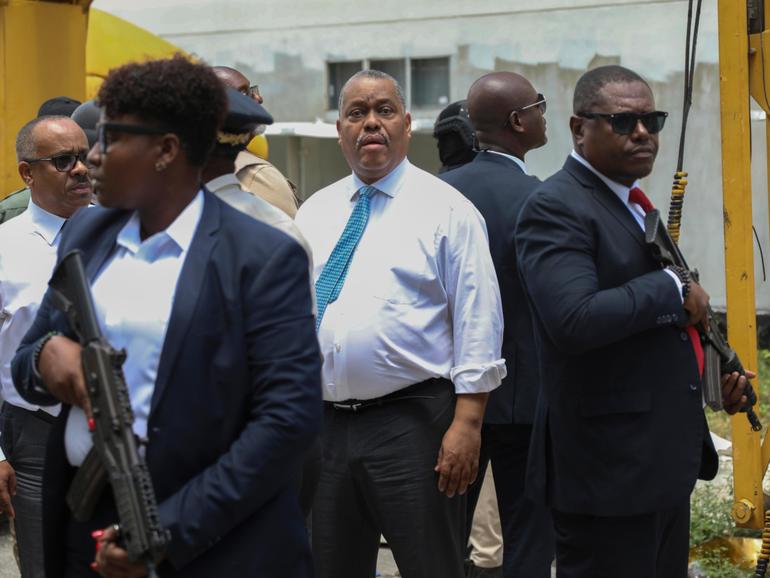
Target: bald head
493	96
236	80
231	77
495	103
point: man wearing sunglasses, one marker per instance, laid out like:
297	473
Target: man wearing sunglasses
16	202
620	436
508	117
51	152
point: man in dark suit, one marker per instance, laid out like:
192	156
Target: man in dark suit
223	367
620	435
508	116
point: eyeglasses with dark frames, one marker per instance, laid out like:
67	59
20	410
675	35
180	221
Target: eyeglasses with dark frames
624	123
539	103
63	163
103	129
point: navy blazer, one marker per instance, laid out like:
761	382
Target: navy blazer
237	398
620	428
498	188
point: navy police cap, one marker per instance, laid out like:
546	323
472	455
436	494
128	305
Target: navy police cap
243	113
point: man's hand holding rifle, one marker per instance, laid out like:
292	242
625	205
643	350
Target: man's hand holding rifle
726	382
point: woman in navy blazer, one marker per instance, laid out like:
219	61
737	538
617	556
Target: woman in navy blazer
236	398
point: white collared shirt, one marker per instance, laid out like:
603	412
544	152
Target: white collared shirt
517	160
420	299
28	246
134	295
228	188
623	192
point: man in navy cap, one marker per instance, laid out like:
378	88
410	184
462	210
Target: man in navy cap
243	115
257	175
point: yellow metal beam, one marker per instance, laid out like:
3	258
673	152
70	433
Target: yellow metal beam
739	255
43	48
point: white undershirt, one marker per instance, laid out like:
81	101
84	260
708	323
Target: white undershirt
134	295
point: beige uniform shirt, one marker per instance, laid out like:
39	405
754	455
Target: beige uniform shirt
263	180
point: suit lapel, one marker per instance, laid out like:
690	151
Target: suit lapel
188	289
605	197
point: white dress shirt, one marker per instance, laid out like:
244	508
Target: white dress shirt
623	192
28	246
228	188
517	160
420	299
133	295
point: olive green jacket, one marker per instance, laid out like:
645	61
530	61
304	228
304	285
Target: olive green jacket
14	205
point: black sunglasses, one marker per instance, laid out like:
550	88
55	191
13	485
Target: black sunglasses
63	163
625	122
104	128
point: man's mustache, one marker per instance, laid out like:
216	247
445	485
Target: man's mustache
372	137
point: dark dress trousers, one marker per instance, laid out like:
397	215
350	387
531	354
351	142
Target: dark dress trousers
498	187
620	429
237	400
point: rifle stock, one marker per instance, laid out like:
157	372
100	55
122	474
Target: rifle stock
115	455
720	358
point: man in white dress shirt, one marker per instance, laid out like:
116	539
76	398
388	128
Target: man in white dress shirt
410	327
51	153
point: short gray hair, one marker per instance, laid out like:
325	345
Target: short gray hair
376	74
26	148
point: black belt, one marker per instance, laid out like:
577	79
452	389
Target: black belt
417	391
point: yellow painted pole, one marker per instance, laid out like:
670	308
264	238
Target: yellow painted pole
42	55
748	508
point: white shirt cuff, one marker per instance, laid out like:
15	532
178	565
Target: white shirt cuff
478	378
677	281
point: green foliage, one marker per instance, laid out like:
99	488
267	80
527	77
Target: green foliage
711	502
710	519
710	513
716	564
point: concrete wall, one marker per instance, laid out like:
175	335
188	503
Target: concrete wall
284	46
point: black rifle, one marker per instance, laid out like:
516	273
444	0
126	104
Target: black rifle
720	358
114	456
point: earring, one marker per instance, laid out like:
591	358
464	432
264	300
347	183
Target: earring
160	166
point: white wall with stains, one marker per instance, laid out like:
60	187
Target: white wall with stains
284	45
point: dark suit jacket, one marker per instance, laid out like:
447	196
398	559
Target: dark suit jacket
237	397
620	428
498	188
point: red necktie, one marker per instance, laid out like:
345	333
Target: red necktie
636	195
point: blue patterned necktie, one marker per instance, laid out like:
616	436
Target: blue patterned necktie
332	277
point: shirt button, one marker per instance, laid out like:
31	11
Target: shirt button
693	387
337	347
684	336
